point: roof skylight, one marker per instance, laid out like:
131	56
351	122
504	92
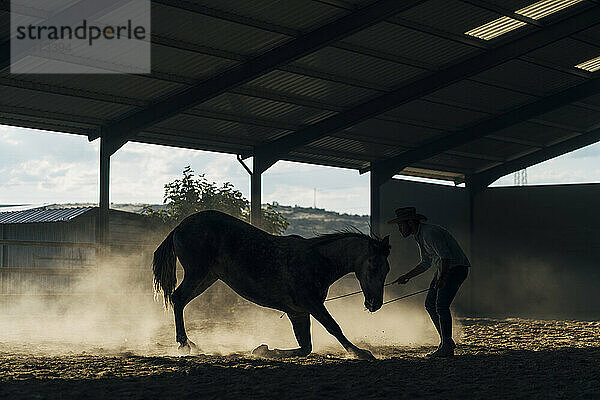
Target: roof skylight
495	28
592	65
504	25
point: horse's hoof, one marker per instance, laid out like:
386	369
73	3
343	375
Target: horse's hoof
184	349
261	351
363	355
188	348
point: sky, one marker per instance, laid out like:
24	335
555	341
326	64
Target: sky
38	167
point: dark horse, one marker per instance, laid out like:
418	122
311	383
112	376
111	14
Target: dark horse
288	273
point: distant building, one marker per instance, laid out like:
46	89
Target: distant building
44	249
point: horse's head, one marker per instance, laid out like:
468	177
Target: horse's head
372	271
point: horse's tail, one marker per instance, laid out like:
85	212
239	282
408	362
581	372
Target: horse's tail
163	267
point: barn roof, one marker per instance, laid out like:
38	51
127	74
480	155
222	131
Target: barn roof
452	89
42	215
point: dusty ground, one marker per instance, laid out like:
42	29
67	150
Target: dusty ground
497	359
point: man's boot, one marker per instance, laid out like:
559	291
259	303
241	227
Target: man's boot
446	348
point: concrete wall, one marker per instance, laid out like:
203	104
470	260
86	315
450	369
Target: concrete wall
535	249
538	247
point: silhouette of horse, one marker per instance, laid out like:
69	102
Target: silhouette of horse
287	273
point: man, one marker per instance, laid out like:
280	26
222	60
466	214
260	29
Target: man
436	246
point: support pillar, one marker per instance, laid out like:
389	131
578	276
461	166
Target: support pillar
256	193
104	204
375	189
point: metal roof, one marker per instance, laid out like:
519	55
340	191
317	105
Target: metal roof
370	85
42	215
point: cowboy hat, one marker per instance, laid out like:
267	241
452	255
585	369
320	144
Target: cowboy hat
407	214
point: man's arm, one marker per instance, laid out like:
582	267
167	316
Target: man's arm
418	270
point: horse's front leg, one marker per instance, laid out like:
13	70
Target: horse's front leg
301	325
322	315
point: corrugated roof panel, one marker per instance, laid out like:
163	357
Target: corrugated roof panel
408	43
580	118
186	63
512	4
505	24
194	140
362	150
294	14
119	85
532	132
592	65
448	15
356	3
566	52
463	164
263	108
492	148
326	160
212	32
544	8
528	77
442	115
592	34
221	128
358	67
331	92
67	105
46	123
495	28
432	174
394	132
42	215
478	96
592	100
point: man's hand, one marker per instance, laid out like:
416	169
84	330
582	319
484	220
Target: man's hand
402	280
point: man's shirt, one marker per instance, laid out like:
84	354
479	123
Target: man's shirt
435	243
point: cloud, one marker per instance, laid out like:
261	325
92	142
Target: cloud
43	167
7	137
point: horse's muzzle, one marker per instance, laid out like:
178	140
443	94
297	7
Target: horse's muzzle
373	306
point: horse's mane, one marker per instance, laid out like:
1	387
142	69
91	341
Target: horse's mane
349	231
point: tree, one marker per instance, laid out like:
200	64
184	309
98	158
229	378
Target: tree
189	195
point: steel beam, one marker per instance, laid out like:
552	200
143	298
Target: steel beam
482	179
103	230
450	141
256	194
430	83
255	67
375	200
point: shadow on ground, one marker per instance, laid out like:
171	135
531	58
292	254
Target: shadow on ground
399	373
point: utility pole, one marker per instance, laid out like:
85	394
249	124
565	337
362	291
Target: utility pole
315	198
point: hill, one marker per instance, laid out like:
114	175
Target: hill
304	221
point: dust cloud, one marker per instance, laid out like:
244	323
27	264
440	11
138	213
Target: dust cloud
113	311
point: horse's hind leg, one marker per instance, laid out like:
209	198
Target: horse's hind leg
190	287
301	325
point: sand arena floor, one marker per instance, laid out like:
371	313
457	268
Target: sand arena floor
496	359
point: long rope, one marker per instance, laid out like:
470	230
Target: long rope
351	294
385	302
405	296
